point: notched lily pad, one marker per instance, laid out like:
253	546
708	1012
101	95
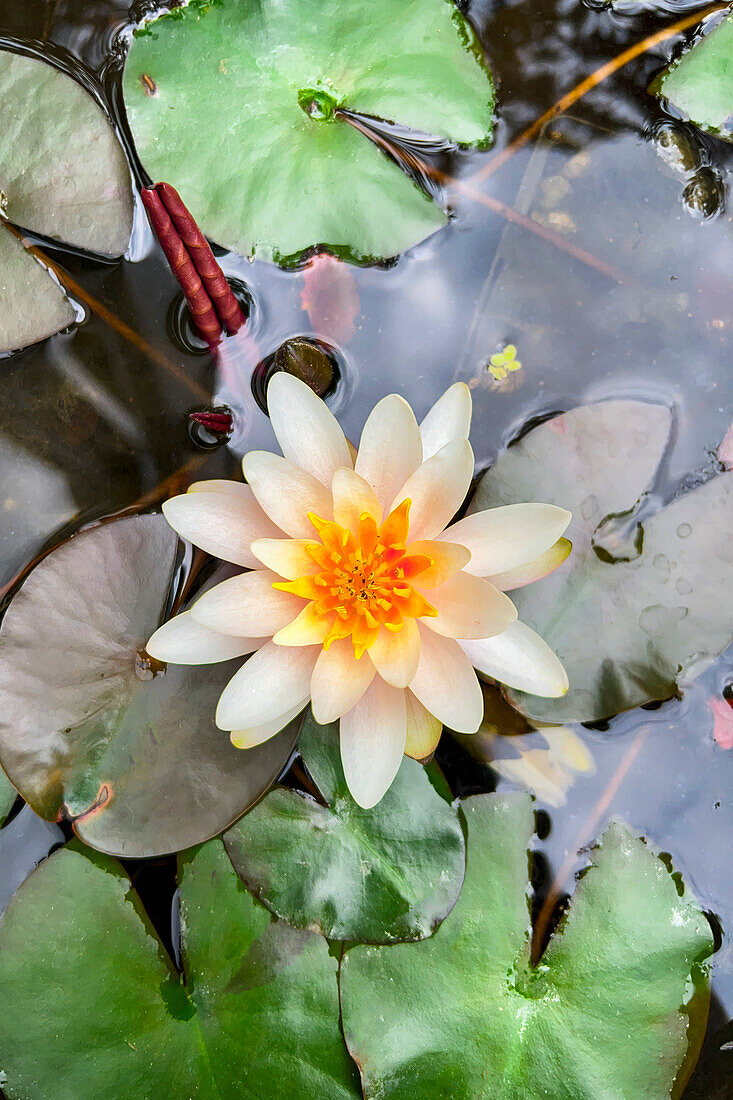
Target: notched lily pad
378	876
641	606
255	1012
237	105
466	1015
87	729
700	84
63	174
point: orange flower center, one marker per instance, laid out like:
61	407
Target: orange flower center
362	582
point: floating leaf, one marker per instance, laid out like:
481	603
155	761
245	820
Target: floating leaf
254	1014
32	304
87	729
466	1015
641	606
700	84
8	795
64	175
235	106
381	875
64	172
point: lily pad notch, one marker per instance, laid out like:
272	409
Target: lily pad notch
283	172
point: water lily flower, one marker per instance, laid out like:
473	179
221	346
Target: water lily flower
361	596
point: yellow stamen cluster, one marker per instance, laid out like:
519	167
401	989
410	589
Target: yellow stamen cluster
363	581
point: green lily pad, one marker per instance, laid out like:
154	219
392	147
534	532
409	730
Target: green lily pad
32	304
89	731
700	84
466	1015
254	1014
640	607
234	104
378	876
8	795
64	175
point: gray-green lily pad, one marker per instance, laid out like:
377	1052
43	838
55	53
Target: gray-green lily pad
234	104
64	173
700	84
466	1015
8	795
645	601
89	731
255	1012
377	876
32	304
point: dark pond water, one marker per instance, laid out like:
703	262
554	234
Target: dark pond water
628	294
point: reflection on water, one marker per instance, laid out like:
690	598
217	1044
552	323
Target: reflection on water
615	282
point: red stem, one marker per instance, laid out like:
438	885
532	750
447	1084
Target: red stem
202	310
213	278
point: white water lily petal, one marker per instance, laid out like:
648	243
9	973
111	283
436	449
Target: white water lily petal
396	656
307	431
223	523
437	489
271	682
448	558
533	570
286	557
390	449
220	485
338	681
423	729
183	641
446	683
352	496
372	742
286	493
468	607
255	735
309	628
247	604
520	659
504	538
448	420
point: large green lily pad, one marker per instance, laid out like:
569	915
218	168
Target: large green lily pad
377	876
639	608
88	731
63	174
233	104
254	1014
465	1015
700	83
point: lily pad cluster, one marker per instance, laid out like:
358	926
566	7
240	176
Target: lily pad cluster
255	1007
65	177
272	79
645	601
699	85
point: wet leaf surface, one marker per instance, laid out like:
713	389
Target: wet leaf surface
280	70
645	601
378	876
254	1014
700	84
32	304
64	175
465	1014
88	730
